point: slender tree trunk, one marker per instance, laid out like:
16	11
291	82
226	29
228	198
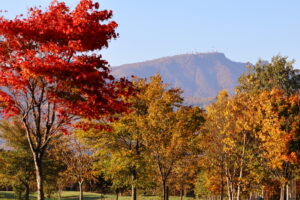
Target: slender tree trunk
181	192
117	195
39	174
222	182
26	191
229	189
229	184
133	187
80	189
241	169
282	191
135	174
287	191
133	192
59	193
165	195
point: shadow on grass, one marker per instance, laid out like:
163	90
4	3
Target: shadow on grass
89	196
11	196
75	197
7	195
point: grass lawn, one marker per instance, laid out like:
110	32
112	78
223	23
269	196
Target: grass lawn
68	195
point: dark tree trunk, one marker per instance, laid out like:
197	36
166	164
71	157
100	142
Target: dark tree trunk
222	190
135	174
133	187
117	195
165	190
164	184
26	192
39	175
167	195
181	192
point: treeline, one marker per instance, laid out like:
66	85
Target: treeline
242	146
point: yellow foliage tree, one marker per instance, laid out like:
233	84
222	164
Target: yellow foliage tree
170	130
230	145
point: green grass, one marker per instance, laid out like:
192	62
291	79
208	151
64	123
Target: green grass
70	195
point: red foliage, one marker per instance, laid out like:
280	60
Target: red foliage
50	57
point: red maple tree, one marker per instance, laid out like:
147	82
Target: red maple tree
52	72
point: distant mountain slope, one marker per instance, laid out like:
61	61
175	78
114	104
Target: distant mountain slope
201	75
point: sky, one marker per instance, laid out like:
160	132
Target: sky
244	30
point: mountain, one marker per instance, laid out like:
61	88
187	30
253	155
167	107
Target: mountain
201	75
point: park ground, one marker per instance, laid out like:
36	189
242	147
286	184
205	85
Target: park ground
69	195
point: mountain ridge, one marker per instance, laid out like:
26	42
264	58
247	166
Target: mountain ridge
200	75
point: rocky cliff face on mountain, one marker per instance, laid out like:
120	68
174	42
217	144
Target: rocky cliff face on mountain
201	76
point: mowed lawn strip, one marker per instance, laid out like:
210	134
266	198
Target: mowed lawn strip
74	195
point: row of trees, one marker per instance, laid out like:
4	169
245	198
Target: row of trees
152	143
251	139
135	134
239	146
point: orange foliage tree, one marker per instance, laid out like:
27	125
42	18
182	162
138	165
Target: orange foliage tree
278	115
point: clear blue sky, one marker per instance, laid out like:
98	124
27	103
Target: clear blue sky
245	30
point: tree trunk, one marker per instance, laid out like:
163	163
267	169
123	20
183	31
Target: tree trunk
117	195
222	182
181	192
241	169
167	195
59	193
80	189
133	187
133	192
39	175
282	191
26	192
287	191
229	189
165	188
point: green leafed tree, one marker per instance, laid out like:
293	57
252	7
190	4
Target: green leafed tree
16	169
279	74
17	164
